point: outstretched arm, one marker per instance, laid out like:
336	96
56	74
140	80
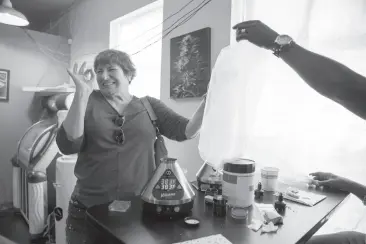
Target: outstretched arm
194	124
326	76
330	78
356	189
340	183
175	126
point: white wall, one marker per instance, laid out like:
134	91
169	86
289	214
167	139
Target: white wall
28	67
215	15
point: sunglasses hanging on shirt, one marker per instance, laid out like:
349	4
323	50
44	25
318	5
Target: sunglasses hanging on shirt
119	135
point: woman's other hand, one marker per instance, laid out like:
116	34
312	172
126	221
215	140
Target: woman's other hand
257	33
83	79
329	180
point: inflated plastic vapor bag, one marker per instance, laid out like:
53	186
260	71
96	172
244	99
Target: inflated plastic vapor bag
225	129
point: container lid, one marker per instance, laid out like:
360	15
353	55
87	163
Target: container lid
218	197
240	166
239	213
191	221
270	170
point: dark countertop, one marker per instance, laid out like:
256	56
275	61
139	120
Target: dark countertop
300	222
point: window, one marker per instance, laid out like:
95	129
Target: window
288	109
139	33
303	131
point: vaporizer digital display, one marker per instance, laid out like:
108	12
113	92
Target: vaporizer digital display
168	187
167	184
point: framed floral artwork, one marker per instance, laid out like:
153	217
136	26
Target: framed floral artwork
190	64
4	85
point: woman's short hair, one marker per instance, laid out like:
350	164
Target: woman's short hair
111	56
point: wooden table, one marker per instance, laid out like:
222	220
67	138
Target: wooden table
300	223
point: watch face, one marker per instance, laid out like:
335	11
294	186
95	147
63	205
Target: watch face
283	40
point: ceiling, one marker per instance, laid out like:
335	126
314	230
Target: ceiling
41	12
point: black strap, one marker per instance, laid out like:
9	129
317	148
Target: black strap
151	114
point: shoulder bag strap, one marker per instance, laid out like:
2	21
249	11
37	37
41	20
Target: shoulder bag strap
151	113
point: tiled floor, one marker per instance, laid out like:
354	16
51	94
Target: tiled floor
13	227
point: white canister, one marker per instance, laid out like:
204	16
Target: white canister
269	176
238	182
65	183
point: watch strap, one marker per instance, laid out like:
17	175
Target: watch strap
278	49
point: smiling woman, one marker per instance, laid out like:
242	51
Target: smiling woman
114	70
112	133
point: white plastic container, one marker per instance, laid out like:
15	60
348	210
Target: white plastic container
65	183
269	178
238	182
16	187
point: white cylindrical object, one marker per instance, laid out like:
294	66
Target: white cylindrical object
238	182
61	116
37	205
65	183
60	102
269	178
16	187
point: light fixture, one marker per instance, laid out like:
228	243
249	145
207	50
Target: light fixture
10	16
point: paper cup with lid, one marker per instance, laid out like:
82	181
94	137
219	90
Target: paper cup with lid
269	178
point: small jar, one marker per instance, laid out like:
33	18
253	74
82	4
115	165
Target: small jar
215	182
208	196
239	213
215	192
218	187
219	206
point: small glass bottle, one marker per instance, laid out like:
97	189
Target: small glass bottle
219	206
208	196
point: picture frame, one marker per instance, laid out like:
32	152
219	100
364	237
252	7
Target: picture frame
190	64
4	85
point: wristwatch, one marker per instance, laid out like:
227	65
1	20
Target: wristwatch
282	44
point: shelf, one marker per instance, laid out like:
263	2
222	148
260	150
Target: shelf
49	91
